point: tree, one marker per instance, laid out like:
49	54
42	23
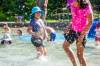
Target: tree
10	8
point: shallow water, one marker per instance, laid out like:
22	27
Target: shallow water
23	53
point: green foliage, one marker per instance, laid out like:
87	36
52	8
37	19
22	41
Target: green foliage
55	6
2	16
11	8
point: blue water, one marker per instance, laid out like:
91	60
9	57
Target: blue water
59	37
27	37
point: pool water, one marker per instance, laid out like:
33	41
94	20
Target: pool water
27	37
23	53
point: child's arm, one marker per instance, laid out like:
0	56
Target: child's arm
46	34
90	20
37	2
29	30
89	17
45	3
86	29
44	31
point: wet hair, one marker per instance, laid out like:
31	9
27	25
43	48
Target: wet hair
5	24
20	31
83	3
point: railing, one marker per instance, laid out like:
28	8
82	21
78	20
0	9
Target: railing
62	16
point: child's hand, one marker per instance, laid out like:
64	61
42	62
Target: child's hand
81	37
45	5
66	30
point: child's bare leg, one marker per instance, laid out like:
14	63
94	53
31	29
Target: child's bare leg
45	51
69	53
80	54
39	51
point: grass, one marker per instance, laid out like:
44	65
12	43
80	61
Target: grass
48	20
51	21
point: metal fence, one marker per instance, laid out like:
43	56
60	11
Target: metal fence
64	15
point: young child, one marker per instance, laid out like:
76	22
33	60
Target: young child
51	32
6	37
82	17
19	32
97	36
37	29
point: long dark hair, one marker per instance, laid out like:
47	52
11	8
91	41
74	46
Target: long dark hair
83	3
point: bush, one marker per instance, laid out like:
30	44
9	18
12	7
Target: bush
2	16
